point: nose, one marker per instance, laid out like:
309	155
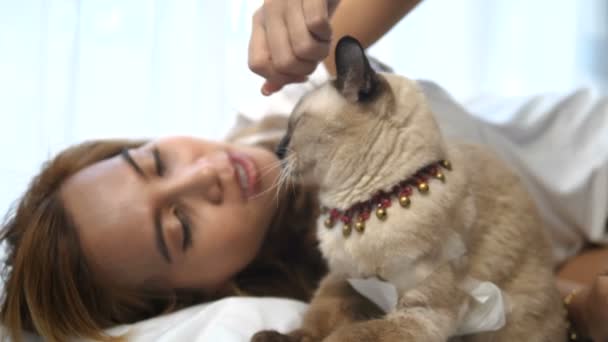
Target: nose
203	176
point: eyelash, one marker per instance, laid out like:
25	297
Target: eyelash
185	222
158	163
181	217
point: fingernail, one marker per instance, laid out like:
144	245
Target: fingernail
268	89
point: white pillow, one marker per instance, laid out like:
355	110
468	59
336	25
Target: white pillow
233	319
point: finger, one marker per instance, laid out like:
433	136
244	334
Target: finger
259	59
271	88
317	18
304	45
283	59
258	54
278	80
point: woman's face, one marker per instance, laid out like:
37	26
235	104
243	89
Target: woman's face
178	212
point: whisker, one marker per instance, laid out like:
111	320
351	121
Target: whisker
272	186
279	181
286	171
290	180
269	168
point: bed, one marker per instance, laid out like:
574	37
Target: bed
233	319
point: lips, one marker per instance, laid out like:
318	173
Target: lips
246	173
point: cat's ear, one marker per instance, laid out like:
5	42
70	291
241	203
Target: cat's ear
356	79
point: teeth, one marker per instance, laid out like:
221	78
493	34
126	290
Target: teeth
242	176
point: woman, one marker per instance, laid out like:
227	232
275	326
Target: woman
116	231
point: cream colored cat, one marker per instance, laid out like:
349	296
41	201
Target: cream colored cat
434	227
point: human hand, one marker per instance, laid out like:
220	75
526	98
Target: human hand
288	39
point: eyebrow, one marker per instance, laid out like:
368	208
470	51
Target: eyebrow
127	157
158	227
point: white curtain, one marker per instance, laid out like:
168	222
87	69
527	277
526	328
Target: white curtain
503	47
72	70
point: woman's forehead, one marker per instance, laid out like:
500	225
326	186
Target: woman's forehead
107	204
99	188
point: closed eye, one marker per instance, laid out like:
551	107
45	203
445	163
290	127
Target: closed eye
186	229
159	166
160	169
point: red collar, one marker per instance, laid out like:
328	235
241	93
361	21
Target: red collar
357	214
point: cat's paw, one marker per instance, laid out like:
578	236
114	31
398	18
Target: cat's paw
372	330
275	336
270	336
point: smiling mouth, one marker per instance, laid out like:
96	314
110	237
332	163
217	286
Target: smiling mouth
246	173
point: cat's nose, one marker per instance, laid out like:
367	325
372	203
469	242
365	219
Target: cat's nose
281	149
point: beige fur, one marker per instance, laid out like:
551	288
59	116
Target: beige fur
354	149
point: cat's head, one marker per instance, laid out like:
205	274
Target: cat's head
363	131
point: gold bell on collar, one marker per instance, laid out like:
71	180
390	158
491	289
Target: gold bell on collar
404	201
360	226
423	187
381	213
382	200
346	229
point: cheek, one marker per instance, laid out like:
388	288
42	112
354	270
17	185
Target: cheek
231	236
248	226
239	232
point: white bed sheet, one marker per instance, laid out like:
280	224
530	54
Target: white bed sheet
233	319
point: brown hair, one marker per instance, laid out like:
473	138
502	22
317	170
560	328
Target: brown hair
289	263
50	290
48	286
